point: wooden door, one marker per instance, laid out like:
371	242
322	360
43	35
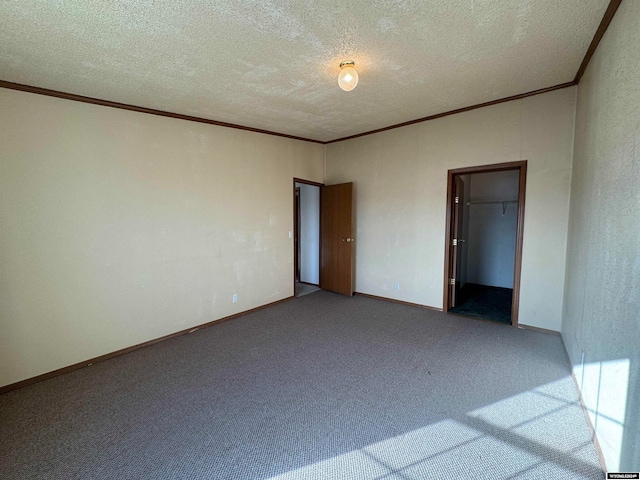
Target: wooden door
456	247
336	238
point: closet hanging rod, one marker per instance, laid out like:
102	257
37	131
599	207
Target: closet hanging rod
476	202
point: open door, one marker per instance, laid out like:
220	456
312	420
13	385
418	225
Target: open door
336	238
456	244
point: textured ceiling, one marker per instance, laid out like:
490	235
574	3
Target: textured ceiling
273	64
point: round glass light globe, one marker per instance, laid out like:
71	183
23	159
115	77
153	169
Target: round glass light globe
348	78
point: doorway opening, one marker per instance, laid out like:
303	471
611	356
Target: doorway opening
306	235
483	252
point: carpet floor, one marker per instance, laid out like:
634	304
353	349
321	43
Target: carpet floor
320	387
305	289
485	303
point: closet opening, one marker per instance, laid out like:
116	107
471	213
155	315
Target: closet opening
483	252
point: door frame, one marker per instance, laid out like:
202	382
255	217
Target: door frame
521	166
296	232
295	249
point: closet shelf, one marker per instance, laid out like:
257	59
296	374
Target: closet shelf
503	202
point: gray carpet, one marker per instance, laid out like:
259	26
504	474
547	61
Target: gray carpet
305	289
323	386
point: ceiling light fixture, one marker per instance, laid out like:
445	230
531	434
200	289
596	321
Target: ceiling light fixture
348	78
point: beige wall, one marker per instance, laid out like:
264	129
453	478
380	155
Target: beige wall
119	227
601	325
400	182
